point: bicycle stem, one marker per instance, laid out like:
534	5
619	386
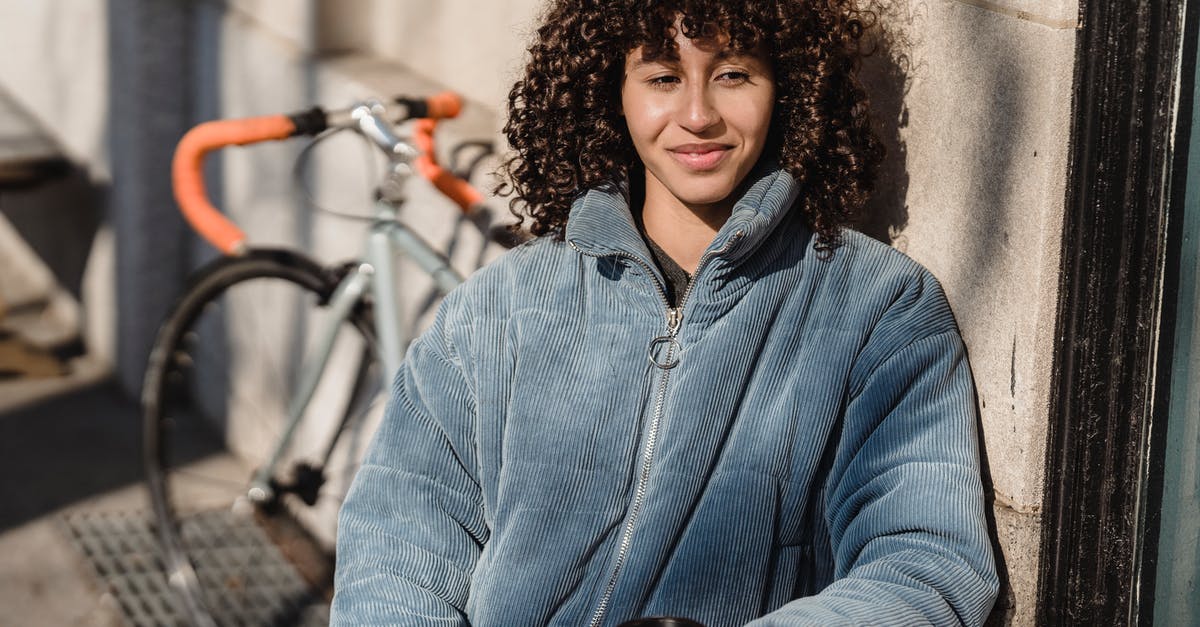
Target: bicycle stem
372	123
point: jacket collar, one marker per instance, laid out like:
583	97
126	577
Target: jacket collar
600	222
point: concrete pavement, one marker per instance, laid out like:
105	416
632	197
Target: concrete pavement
76	544
68	438
67	445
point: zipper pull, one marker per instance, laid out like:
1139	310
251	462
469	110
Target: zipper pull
674	317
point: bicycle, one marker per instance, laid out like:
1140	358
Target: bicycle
329	337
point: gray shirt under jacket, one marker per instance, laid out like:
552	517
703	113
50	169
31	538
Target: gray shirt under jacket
810	458
675	278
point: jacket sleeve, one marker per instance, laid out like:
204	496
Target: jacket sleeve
412	526
904	501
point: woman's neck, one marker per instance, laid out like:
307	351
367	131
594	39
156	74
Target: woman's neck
682	231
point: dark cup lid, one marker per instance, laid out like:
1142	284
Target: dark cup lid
661	621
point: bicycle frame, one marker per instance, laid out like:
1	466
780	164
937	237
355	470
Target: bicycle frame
372	275
375	273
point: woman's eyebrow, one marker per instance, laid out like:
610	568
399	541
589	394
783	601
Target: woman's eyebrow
724	55
641	61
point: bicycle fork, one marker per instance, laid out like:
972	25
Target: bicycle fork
377	273
344	298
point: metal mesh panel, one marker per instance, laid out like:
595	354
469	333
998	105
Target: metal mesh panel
254	584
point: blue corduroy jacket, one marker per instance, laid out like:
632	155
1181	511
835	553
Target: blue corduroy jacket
797	445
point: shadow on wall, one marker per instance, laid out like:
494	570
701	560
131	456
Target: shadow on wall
980	107
886	75
992	70
59	221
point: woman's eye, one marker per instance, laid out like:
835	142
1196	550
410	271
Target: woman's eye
663	81
734	77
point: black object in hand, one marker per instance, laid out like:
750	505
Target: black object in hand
661	621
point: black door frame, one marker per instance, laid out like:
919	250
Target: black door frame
1115	324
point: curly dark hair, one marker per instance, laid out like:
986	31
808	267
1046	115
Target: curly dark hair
567	134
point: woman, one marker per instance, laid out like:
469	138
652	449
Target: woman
698	393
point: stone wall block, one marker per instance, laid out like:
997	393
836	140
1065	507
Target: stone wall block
56	67
976	108
1058	14
470	46
974	104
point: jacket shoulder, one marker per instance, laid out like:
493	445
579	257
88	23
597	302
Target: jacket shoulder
884	279
490	293
492	288
899	301
531	263
864	254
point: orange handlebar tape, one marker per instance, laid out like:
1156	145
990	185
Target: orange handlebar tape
187	173
456	189
444	105
423	136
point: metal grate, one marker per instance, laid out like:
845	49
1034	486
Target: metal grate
255	585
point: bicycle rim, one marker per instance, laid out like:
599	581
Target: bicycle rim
223	371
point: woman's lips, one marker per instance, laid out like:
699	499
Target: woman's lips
700	157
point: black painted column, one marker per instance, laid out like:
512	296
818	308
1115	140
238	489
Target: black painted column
150	108
1115	319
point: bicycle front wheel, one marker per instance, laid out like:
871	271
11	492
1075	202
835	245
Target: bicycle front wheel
225	380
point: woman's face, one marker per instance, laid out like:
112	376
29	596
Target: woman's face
699	121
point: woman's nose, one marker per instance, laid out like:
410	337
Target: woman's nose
697	112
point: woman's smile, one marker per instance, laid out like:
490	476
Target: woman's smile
700	157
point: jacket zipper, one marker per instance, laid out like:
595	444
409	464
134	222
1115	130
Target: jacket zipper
674	317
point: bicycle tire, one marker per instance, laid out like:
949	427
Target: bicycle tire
207	389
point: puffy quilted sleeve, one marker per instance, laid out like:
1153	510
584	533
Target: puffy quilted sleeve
412	526
904	501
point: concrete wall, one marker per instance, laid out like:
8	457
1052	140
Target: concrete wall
473	47
54	65
972	95
975	191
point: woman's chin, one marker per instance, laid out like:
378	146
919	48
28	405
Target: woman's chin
719	198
